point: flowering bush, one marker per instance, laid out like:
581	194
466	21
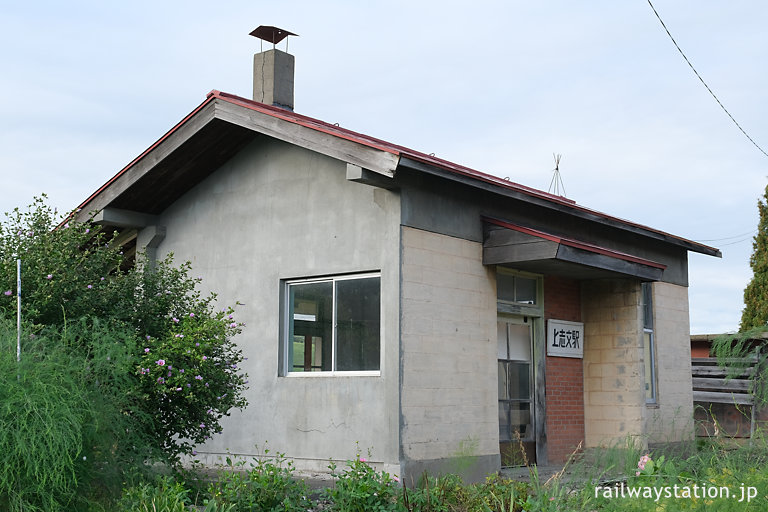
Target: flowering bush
179	371
192	374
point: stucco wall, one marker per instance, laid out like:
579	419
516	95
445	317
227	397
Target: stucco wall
671	419
614	396
277	212
449	372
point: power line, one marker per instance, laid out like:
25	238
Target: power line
750	233
736	242
703	82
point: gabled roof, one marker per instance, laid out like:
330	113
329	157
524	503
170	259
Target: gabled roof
224	123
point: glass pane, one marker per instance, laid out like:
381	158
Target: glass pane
515	417
519	381
503	381
501	334
520	420
647	305
505	433
310	317
505	287
525	290
519	342
358	324
650	384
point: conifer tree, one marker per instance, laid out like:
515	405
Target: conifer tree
755	313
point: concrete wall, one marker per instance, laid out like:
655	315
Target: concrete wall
277	212
614	396
449	397
671	419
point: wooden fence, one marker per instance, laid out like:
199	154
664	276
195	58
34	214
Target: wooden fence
723	392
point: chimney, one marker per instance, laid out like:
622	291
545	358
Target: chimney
273	69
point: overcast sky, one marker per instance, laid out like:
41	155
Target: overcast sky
496	86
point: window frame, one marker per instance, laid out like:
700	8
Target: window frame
285	365
649	344
521	308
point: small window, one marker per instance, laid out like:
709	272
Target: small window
649	349
515	288
333	324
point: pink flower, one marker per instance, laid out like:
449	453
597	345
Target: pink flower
362	459
146	349
191	315
160	362
8	292
89	286
175	320
49	276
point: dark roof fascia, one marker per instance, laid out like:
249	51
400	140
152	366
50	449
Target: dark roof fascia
551	202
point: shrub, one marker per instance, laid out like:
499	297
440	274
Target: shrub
50	420
361	488
76	282
166	495
268	484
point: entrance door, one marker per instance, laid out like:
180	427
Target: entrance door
517	439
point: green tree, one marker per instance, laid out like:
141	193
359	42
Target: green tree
755	313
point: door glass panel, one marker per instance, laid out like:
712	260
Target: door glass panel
503	381
519	383
505	433
501	330
519	342
520	420
515	392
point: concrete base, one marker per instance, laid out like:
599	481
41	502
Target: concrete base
470	468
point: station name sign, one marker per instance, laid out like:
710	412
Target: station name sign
565	339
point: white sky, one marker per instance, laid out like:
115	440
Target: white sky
498	86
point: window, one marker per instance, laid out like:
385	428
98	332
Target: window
333	324
512	287
649	350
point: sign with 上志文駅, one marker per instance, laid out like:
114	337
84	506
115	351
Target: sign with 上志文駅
565	339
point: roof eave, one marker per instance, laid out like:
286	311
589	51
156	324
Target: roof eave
549	201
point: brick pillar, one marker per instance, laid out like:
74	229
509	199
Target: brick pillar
564	376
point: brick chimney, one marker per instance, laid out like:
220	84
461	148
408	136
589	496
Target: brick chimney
273	70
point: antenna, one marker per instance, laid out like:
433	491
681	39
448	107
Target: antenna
557	181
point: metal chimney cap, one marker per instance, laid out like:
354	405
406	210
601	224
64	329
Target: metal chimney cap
272	34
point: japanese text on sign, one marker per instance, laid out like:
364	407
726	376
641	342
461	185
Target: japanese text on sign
565	339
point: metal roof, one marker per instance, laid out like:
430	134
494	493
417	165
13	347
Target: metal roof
410	158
